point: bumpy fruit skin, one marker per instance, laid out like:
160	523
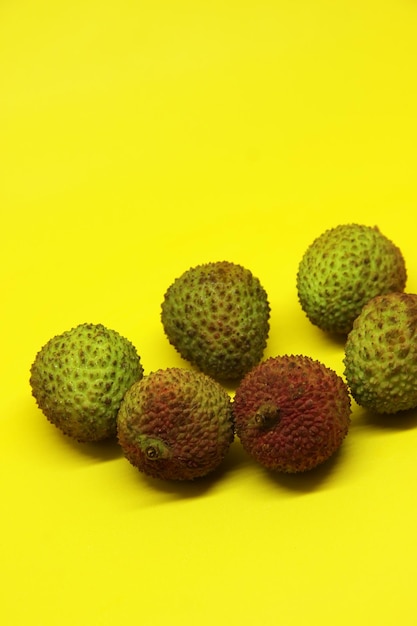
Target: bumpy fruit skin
216	315
175	424
79	379
342	270
381	354
291	413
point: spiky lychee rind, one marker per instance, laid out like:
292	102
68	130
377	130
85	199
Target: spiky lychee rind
342	270
216	315
79	378
175	424
291	413
381	354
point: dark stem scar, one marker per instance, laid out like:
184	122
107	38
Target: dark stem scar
267	416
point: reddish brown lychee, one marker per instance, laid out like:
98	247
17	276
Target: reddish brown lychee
176	424
291	413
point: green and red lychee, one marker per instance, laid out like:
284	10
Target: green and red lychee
175	424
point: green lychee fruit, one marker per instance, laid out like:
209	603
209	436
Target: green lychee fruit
342	270
216	315
175	424
79	379
291	413
381	354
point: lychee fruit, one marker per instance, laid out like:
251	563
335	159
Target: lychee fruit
342	270
79	378
216	315
381	354
175	424
291	413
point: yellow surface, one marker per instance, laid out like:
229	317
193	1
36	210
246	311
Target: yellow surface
139	139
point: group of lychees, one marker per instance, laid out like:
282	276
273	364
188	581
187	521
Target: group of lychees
290	412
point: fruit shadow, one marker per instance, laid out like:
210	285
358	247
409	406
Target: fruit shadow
331	338
309	480
99	451
403	420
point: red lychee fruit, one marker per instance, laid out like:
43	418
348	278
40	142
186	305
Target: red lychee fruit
291	413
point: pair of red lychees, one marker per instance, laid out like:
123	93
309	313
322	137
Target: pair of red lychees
291	413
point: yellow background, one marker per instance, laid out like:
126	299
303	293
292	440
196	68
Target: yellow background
138	139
